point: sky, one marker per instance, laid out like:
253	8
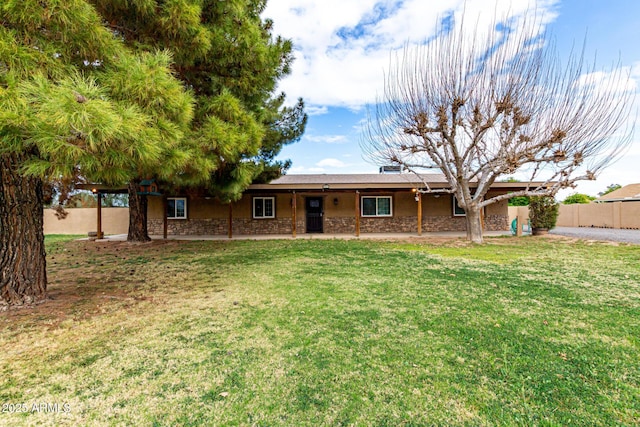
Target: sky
343	47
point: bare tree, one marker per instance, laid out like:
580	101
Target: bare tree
478	105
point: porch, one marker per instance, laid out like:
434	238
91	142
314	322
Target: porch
324	236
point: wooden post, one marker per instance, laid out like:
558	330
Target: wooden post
294	216
519	222
419	195
165	222
230	221
357	213
99	234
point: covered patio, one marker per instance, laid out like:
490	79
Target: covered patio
314	236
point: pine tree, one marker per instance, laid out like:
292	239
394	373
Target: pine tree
74	101
226	54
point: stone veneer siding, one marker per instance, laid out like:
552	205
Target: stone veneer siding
401	224
189	227
496	222
261	226
443	223
213	227
340	225
336	225
409	224
459	223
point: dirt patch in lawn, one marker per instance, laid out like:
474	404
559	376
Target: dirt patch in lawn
85	278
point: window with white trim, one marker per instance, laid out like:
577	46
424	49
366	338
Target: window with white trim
264	207
457	210
177	208
375	206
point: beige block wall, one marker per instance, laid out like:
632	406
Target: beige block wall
83	220
629	214
606	215
603	215
515	211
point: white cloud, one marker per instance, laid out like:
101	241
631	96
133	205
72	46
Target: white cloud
328	139
342	47
315	110
331	163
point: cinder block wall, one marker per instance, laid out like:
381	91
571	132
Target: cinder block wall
83	220
603	215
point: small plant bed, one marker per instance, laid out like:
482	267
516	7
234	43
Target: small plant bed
328	332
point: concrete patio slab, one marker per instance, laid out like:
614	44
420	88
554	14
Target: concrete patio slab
317	236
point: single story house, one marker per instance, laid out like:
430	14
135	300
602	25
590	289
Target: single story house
336	204
628	193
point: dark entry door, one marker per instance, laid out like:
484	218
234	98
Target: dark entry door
313	206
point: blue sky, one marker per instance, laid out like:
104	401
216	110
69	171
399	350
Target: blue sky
342	49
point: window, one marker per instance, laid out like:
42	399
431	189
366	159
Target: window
264	207
177	207
376	206
457	210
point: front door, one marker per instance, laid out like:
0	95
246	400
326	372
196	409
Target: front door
313	206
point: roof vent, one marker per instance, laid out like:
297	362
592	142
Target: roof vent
390	169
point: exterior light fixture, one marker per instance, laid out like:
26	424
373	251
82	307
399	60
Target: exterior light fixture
325	187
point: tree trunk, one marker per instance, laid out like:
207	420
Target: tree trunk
137	215
474	225
23	266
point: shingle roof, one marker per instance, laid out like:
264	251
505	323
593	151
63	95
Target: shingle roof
628	192
351	182
364	181
374	178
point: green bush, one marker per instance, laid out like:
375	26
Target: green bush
578	198
543	212
519	201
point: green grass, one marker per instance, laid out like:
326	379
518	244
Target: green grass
514	332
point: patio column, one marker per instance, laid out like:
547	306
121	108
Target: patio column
99	234
294	216
357	213
230	221
165	222
419	197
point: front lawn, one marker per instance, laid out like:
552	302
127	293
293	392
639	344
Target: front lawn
328	332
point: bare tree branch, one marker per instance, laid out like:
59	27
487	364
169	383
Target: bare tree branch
479	105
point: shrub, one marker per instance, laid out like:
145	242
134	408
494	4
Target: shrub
578	198
543	212
519	201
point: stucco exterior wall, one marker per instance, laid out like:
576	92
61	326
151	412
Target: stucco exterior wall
209	217
84	220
